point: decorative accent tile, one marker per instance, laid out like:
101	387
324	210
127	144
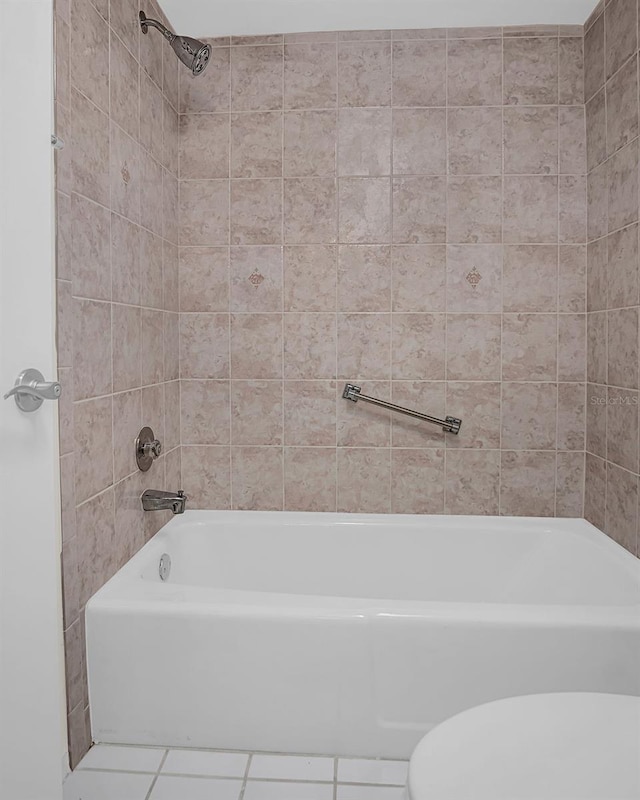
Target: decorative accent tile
473	278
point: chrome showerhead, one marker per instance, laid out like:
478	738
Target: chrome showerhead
193	53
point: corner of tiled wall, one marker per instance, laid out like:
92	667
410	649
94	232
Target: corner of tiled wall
405	209
117	272
611	94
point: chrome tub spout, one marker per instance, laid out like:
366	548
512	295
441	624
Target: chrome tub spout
157	500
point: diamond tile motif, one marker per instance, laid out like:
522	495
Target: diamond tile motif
474	277
255	278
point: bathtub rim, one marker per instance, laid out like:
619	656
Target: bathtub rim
127	587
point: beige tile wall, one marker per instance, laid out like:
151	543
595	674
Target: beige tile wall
611	86
117	202
406	210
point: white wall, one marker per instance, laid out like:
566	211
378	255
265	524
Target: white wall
31	677
225	17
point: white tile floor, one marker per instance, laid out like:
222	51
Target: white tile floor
111	772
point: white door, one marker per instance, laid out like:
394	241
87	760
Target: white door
31	686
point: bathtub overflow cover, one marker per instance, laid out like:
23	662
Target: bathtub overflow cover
164	567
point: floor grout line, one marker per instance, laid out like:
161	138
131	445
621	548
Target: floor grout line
245	776
250	753
155	779
114	769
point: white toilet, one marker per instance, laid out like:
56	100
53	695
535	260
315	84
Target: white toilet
575	746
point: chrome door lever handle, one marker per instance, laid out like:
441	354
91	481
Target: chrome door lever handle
44	390
31	390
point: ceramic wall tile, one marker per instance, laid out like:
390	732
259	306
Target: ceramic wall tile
527	484
310	413
570	469
256	412
474	72
204	278
531	140
310	75
256	346
204	146
310	478
472	482
256	78
258	478
475	140
256	150
594	57
621	33
622	106
571	70
474	347
207	472
198	358
530	71
310	278
364	142
530	278
419	73
364	74
204	412
90	53
310	143
364	480
124	92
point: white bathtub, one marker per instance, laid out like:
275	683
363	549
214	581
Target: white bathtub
353	635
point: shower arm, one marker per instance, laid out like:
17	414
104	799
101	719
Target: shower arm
145	22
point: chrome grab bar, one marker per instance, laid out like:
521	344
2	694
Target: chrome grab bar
449	424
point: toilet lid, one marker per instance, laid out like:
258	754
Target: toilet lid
574	746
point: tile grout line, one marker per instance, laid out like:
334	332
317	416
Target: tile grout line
245	776
230	326
330	108
157	775
445	466
501	411
637	48
111	340
282	240
585	287
556	432
392	116
605	166
337	263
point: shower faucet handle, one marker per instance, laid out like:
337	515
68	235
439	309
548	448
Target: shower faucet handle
152	449
31	390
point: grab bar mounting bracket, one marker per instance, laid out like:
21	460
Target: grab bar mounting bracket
351	392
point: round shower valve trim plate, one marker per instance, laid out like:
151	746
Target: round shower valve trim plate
148	448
